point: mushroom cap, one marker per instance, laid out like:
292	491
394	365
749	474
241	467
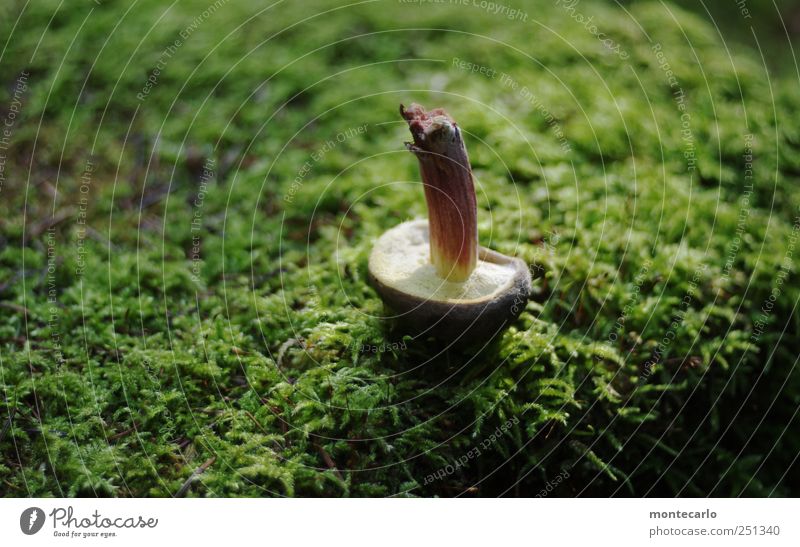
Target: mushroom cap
401	272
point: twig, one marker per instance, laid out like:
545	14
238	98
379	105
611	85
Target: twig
8	423
196	473
16	307
467	490
47	223
119	435
329	461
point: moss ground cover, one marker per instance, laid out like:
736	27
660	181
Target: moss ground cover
190	193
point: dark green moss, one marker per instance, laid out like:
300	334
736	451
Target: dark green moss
643	366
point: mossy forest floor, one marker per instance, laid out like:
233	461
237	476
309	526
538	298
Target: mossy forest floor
189	196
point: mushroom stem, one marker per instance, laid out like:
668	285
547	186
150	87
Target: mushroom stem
449	191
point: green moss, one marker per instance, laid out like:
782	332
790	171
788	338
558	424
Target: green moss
266	361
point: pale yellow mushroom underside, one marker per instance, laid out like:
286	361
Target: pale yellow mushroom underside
401	259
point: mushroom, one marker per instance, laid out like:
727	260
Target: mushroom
433	273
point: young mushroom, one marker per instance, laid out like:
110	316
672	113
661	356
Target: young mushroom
434	273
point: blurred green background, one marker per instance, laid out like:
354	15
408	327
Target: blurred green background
187	206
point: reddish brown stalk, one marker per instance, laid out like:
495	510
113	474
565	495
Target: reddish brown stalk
449	190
